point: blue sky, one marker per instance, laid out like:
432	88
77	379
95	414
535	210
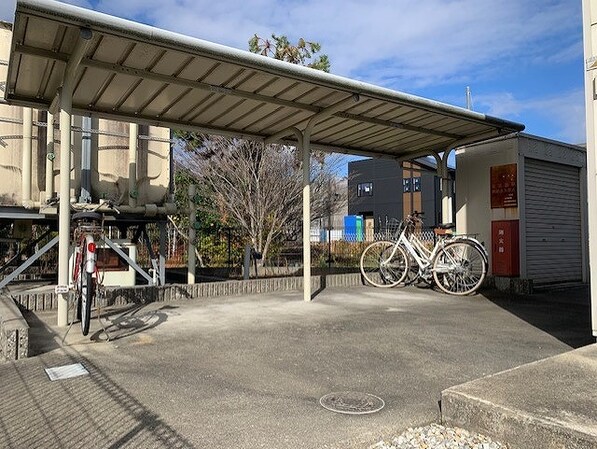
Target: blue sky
521	58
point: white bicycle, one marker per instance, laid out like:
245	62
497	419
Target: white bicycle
456	264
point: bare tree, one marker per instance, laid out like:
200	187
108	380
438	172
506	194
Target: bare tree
258	187
253	186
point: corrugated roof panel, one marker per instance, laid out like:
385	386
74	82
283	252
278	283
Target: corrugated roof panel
188	106
243	119
39	35
88	85
112	49
119	84
224	104
162	103
30	79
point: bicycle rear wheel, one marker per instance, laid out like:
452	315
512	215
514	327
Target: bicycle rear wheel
87	294
382	269
459	268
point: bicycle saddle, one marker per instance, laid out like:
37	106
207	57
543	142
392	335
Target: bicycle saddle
87	216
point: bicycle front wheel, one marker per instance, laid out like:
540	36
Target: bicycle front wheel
459	268
87	294
383	264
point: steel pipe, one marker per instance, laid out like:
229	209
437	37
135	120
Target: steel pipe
27	158
133	139
50	156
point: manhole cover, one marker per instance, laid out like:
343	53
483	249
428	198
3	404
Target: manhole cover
352	403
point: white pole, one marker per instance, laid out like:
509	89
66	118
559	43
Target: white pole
446	190
590	53
50	157
192	235
64	192
26	171
133	139
306	216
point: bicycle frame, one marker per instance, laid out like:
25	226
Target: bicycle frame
423	256
87	245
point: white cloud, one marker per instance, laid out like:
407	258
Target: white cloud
401	43
562	116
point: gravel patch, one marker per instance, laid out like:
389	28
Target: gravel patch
435	436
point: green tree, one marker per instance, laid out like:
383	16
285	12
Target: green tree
279	47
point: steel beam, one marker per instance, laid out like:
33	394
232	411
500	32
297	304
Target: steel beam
9	278
128	260
50	155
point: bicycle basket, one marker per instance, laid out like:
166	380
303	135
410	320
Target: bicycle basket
391	231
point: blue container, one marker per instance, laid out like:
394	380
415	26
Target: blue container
353	228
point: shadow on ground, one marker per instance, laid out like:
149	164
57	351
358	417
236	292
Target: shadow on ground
564	313
114	324
88	411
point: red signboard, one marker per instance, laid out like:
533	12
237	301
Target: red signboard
504	186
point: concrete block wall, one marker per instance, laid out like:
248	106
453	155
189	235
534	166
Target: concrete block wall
172	292
14	331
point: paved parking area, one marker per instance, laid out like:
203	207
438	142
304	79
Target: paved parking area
248	371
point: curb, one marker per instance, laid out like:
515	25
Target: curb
173	292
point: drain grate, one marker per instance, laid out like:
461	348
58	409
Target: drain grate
352	403
66	371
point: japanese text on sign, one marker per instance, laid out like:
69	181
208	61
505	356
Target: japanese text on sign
504	186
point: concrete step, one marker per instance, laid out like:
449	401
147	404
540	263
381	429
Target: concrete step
549	404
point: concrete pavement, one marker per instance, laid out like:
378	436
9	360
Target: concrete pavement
548	404
248	371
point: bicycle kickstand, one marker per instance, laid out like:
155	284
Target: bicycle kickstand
71	322
101	295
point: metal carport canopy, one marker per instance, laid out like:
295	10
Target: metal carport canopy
128	71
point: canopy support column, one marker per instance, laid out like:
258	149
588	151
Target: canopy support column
446	189
304	145
65	101
306	150
66	96
192	260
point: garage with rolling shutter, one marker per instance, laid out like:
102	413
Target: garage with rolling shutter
553	222
525	197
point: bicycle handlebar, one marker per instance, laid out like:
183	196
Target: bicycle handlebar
416	216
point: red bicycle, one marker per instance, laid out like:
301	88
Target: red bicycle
88	227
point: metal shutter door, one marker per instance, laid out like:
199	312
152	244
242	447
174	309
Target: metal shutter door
553	222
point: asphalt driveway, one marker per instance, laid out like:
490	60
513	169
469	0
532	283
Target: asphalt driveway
248	372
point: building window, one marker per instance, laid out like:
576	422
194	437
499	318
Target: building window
406	185
365	189
417	184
